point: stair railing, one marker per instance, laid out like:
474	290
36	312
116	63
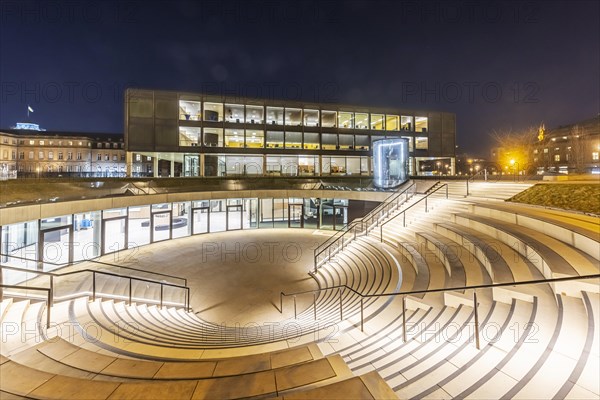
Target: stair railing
403	212
362	225
94	292
48	297
364	297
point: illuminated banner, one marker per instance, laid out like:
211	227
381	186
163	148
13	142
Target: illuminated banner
390	162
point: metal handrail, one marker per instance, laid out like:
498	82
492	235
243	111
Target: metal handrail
403	212
52	275
95	262
392	197
408	293
362	222
48	297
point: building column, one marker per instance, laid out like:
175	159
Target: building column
128	163
201	161
320	165
264	165
172	168
155	165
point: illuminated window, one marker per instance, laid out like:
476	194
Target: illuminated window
377	122
189	110
311	141
595	156
255	139
557	157
213	137
293	116
41	142
362	142
311	117
421	124
406	123
189	136
293	140
392	123
328	119
346	142
275	140
362	120
329	141
275	115
234	138
255	114
346	120
234	113
213	112
421	143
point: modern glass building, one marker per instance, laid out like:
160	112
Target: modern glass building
194	134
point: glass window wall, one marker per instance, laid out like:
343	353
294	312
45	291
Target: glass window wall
407	123
346	142
362	121
345	119
275	115
329	141
421	124
213	137
189	110
213	112
255	139
392	123
421	143
293	140
311	141
255	114
362	142
234	138
234	113
274	140
189	136
311	117
328	119
377	122
181	220
139	225
86	235
293	116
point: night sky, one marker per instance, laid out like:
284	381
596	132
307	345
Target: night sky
497	65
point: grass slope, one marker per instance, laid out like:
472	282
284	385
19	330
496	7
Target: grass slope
578	197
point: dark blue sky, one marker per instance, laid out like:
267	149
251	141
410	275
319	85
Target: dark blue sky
497	65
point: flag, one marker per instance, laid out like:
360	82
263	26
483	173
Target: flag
29	109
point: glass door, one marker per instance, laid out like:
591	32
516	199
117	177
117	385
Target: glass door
234	217
114	233
56	247
160	226
295	215
200	220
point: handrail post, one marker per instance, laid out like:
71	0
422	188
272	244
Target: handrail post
467	187
129	291
48	309
446	191
404	318
295	310
94	286
281	302
341	311
315	304
404	218
51	294
189	307
362	321
476	319
426	197
161	296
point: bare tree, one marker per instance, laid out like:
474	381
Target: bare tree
516	147
576	149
